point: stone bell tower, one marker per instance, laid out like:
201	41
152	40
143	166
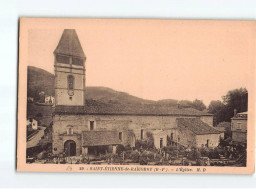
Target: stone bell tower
69	69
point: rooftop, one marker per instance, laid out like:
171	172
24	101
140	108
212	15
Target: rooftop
196	125
241	115
100	108
100	138
69	44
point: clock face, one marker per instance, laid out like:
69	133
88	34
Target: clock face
71	92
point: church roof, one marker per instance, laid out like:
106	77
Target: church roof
196	125
69	44
100	138
101	108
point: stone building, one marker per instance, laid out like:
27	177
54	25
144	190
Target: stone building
82	127
193	132
239	127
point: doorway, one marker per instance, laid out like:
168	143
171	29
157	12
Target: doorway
207	143
70	148
161	142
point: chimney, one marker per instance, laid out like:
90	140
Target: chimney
235	112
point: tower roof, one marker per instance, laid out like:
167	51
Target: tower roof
69	44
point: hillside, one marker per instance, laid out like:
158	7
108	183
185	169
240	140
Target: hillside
41	80
107	95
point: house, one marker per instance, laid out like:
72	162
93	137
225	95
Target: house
49	100
33	123
193	132
82	127
160	138
239	127
222	131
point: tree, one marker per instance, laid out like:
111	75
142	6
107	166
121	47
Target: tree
224	111
236	99
217	108
227	126
198	104
185	103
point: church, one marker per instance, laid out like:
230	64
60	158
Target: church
83	127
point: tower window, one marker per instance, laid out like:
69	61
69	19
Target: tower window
62	59
70	82
70	131
91	125
77	61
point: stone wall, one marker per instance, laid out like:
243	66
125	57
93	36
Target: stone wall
120	123
235	124
239	136
214	140
158	137
187	138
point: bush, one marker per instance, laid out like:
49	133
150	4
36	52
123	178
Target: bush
147	144
214	154
185	162
169	148
128	148
148	155
144	145
200	162
120	149
134	156
205	152
143	161
194	154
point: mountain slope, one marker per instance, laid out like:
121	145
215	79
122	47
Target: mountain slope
108	95
41	80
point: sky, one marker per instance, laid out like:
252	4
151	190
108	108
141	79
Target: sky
155	59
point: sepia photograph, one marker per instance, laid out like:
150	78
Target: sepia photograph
136	95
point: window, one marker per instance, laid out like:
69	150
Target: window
77	61
91	125
239	126
141	134
121	136
70	82
70	98
178	139
70	131
62	59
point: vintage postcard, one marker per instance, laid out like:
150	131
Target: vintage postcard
136	96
